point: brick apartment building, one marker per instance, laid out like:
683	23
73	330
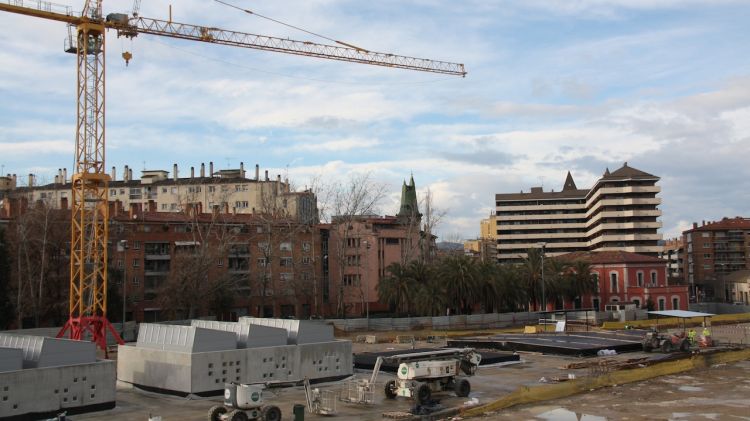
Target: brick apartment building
620	212
673	251
271	265
629	277
714	250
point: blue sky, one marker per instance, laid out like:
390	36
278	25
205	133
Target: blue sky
552	86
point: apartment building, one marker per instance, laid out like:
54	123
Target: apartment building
673	251
713	250
228	191
620	212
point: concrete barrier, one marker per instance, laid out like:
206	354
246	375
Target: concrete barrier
457	322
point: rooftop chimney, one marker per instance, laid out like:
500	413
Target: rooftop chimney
257	172
130	174
114	174
65	175
211	169
174	172
31	179
59	176
125	174
203	170
266	175
242	169
192	172
695	225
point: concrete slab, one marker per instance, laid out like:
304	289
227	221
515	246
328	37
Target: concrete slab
11	359
298	331
41	351
248	335
184	338
580	343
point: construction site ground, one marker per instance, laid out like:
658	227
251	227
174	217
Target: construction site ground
697	389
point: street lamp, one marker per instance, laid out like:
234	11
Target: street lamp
544	298
122	246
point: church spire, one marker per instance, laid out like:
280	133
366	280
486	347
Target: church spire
409	205
569	183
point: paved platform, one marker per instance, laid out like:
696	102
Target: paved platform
366	360
577	343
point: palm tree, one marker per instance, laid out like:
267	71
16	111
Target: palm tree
531	273
430	298
396	289
488	286
580	280
556	280
460	276
511	294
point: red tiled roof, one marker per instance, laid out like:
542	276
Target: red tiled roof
599	257
725	224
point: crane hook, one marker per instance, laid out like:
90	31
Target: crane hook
127	56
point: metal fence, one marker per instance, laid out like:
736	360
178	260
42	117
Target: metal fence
459	322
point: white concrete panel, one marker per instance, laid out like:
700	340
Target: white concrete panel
51	389
41	352
298	331
208	371
248	336
184	338
11	359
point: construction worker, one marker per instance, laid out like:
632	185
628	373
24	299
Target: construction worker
706	332
691	336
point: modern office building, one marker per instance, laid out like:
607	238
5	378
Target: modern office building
619	213
713	250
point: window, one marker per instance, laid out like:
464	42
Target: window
261	262
241	204
285	246
640	278
163	206
122	191
675	303
637	303
706	255
194	189
706	245
211	189
613	282
113	192
286	276
653	277
240	187
306	260
220	262
263	246
353	260
662	304
136	281
136	263
306	246
136	245
391	241
259	229
706	267
705	235
163	189
352	242
119	263
351	280
174	190
286	262
173	206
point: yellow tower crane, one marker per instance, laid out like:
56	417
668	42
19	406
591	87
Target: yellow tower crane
89	206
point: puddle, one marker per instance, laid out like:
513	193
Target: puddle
690	389
562	414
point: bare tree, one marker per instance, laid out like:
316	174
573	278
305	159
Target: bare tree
350	201
431	219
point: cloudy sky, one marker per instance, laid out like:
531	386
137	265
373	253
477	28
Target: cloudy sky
552	86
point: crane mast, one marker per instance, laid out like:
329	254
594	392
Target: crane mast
89	205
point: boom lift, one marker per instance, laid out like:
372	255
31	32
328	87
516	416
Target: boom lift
422	373
89	205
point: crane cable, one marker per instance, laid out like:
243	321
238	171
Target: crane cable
292	26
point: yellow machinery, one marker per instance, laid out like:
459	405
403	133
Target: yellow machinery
90	209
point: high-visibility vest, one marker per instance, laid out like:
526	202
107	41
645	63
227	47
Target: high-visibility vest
706	332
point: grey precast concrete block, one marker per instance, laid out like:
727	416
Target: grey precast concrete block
11	359
248	335
184	338
298	331
208	371
52	389
41	351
